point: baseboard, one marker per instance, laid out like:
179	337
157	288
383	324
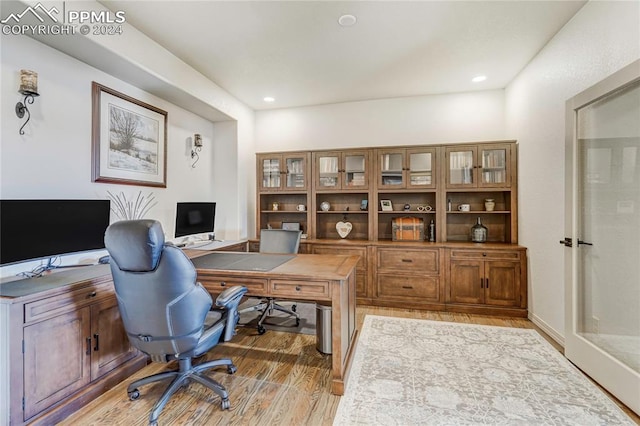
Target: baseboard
547	329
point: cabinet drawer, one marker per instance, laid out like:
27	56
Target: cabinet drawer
216	285
301	289
69	301
486	254
424	261
422	289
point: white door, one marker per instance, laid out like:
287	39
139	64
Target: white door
602	274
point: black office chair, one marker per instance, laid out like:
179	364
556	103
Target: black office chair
275	241
166	313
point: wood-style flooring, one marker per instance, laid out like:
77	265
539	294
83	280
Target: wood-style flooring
281	380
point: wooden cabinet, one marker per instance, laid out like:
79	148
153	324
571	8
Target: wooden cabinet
408	275
341	170
283	172
488	277
406	168
67	343
478	166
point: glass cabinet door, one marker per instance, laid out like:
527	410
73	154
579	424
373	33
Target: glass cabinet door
461	166
421	169
494	166
391	169
355	170
328	171
295	173
271	172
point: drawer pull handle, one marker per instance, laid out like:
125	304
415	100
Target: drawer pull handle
298	288
484	254
408	287
487	283
88	352
481	282
407	260
92	294
97	346
222	284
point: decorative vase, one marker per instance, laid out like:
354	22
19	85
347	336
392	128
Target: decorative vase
325	206
489	204
478	232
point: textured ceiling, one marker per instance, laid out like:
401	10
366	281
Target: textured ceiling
296	51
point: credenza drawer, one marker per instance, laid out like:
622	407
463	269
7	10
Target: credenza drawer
346	251
65	302
300	289
216	285
424	261
486	254
422	289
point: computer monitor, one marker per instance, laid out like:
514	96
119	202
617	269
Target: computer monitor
195	218
36	229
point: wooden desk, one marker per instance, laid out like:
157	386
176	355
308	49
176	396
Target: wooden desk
322	278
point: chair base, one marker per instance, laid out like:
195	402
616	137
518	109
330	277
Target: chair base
181	378
267	307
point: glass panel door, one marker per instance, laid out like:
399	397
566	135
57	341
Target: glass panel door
295	173
328	171
271	173
461	167
391	165
420	169
602	334
354	173
494	166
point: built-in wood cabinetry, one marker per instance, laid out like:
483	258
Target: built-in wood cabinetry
67	343
428	182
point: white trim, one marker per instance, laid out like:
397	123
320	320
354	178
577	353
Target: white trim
547	329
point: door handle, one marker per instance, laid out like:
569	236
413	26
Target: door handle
567	242
584	243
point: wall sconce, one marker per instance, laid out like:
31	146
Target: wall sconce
197	147
29	88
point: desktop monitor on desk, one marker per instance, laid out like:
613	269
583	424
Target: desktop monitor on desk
195	218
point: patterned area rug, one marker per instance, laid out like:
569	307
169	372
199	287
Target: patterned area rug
419	372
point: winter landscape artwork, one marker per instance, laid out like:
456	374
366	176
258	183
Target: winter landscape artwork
129	140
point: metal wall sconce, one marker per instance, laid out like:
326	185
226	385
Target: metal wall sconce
29	88
197	147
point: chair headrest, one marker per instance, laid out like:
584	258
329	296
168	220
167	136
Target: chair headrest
135	245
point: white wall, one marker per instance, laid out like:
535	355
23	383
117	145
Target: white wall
600	39
414	120
53	158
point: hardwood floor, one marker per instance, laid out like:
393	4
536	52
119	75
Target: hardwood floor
281	380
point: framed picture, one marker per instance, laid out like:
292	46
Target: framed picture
292	226
363	205
129	140
386	205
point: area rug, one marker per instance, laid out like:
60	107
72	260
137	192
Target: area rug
279	321
419	372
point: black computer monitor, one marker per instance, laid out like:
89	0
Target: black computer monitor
36	229
195	218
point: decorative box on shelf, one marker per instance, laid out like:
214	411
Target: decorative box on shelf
407	229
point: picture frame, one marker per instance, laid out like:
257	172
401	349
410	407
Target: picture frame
364	205
128	140
292	226
386	205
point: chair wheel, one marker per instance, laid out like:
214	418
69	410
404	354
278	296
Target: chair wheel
232	369
297	322
134	394
225	404
261	330
294	308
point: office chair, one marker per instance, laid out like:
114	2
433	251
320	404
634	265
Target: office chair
166	313
275	241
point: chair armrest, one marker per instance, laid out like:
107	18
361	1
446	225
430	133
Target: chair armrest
231	296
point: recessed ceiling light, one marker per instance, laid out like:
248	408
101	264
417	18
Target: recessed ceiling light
347	20
268	99
479	78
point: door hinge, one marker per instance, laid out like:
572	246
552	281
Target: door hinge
567	242
23	403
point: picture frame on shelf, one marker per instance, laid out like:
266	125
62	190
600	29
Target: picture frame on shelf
129	140
386	205
364	205
291	226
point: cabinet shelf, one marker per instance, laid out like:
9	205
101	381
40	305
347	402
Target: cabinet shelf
343	212
283	211
480	212
406	212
